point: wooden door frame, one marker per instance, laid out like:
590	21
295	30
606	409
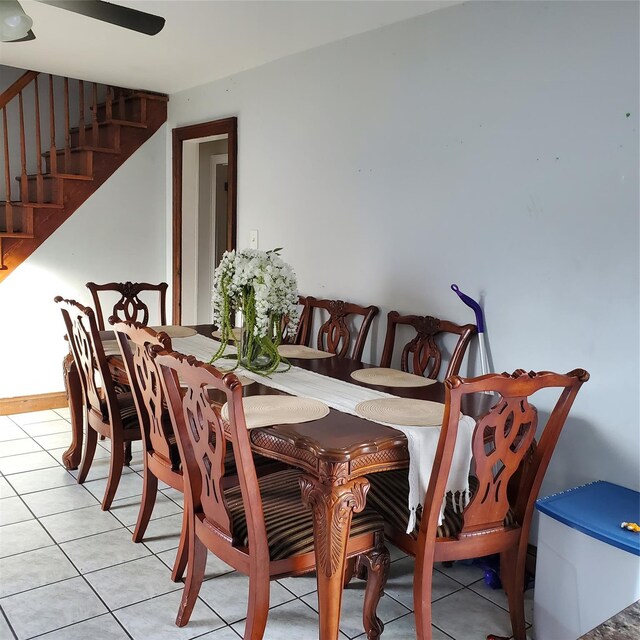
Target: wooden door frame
227	126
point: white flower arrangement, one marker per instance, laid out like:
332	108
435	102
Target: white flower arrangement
264	288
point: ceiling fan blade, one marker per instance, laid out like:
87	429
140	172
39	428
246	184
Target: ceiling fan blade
116	14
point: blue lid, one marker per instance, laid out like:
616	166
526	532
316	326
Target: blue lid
597	509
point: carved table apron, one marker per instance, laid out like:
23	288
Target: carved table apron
335	453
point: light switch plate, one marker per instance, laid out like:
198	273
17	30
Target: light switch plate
253	239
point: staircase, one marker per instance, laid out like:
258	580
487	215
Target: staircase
56	167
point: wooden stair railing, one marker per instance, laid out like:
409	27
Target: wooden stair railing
59	167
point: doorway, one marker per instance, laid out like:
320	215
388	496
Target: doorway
204	213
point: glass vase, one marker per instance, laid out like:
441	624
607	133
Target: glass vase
254	353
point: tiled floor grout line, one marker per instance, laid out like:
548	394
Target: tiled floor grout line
66	626
58	581
28	493
17	455
156	554
6	619
528	624
54	489
228	624
80	574
20	473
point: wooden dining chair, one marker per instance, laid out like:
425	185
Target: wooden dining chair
110	414
161	458
129	305
335	333
259	526
422	355
508	468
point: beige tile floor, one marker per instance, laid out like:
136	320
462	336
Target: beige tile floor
69	571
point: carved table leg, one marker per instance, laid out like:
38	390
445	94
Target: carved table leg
333	499
72	456
375	566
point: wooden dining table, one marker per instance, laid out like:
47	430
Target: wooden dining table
335	453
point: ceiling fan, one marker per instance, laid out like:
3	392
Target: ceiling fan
15	24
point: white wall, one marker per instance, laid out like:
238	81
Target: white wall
487	145
118	234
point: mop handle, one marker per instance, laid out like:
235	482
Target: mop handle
484	360
470	302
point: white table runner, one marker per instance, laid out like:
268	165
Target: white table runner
344	396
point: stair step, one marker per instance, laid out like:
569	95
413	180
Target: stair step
15	234
149	95
106	135
76	150
161	97
96	149
53	176
134	106
80	162
105	123
34	205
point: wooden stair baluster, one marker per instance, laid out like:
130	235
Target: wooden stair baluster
121	107
94	116
24	184
53	156
39	180
8	207
109	103
67	133
143	111
81	125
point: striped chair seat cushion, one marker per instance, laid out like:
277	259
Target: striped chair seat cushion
262	463
389	495
174	453
167	427
127	408
289	524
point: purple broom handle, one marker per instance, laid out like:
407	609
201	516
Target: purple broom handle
473	304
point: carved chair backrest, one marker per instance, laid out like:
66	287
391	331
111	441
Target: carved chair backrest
201	430
334	334
503	447
422	355
129	306
301	334
86	346
133	339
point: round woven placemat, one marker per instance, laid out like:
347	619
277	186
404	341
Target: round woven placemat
234	337
176	331
402	411
300	351
390	378
265	411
